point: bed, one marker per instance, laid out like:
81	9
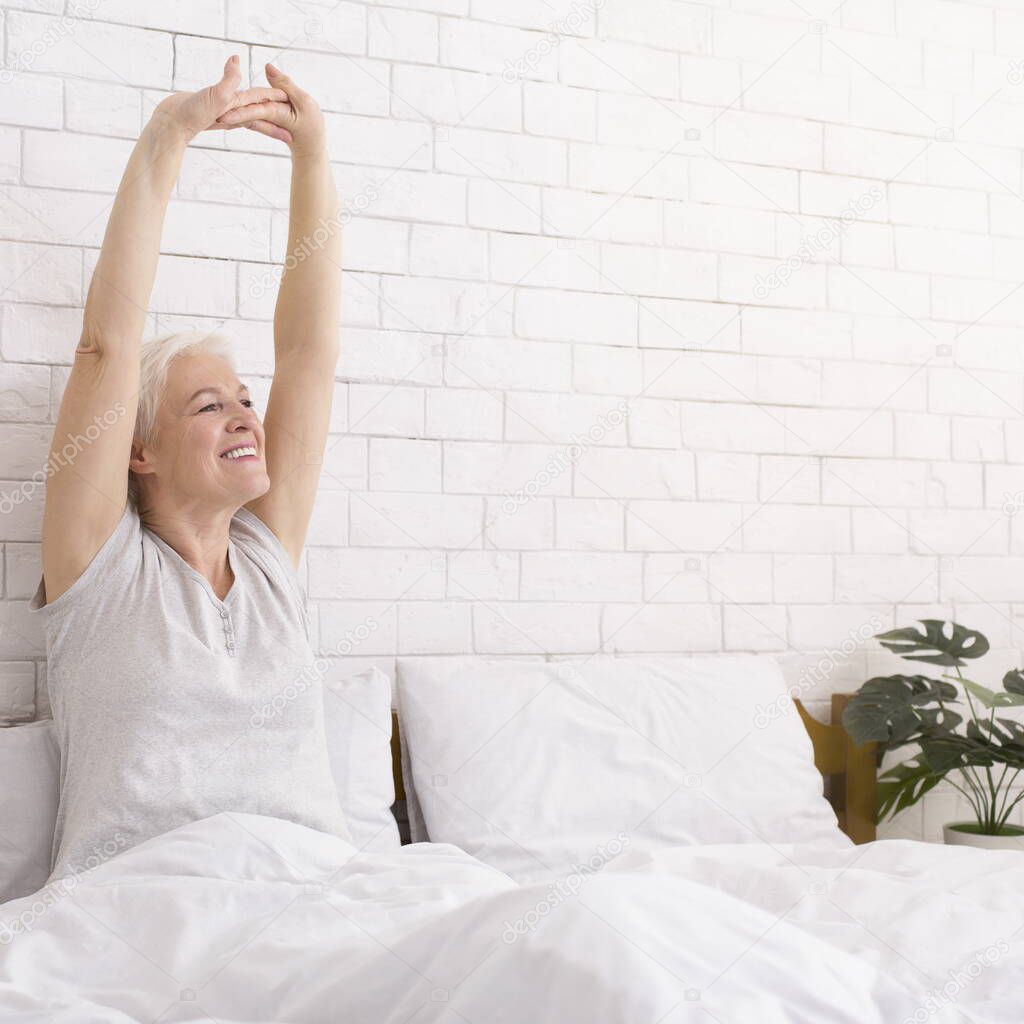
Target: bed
240	918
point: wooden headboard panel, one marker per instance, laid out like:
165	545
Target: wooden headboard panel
848	771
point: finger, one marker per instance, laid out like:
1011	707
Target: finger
273	130
279	113
277	78
256	95
231	77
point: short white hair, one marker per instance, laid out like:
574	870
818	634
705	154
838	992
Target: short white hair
156	356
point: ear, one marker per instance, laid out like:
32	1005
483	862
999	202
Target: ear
139	461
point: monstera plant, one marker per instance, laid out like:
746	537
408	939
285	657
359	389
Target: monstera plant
961	730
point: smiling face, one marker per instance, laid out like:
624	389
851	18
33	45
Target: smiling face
204	412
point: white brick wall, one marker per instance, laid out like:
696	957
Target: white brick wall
790	243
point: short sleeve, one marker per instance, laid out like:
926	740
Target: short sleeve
113	552
268	541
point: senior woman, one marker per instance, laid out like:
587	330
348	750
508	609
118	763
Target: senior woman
173	610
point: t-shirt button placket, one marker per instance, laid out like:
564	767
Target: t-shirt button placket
228	632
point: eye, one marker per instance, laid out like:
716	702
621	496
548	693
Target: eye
248	403
212	405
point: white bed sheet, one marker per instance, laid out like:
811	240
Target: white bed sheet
243	918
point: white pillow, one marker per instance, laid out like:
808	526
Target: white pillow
30	770
357	712
538	768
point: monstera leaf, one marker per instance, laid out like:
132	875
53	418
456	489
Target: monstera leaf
990	698
946	650
890	710
905	784
1013	681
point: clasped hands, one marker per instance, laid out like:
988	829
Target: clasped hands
281	110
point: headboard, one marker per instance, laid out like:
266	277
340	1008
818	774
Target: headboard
848	771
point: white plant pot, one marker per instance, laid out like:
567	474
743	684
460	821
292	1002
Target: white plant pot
954	837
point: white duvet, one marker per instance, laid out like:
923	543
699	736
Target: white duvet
244	918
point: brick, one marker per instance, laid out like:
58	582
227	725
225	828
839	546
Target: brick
463	414
727	476
607	370
529	627
40	273
611	218
358	627
589	524
351	86
559	111
483	575
449	97
660	628
111	53
502	155
492	363
440	251
405	357
581	576
402	35
394	519
579	316
520	522
102	109
439	305
549	262
53	216
615	66
39	334
511	52
679	324
367	574
24	393
505	206
802	579
385	409
628	169
695	226
340	27
472	468
670	273
204	229
31	100
691	527
434	627
796	528
675	579
204	287
404	194
546	418
404	464
754	628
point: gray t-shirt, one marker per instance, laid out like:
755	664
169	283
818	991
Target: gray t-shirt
171	705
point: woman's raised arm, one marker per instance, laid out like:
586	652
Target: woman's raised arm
307	315
87	487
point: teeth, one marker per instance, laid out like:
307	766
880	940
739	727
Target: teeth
237	453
